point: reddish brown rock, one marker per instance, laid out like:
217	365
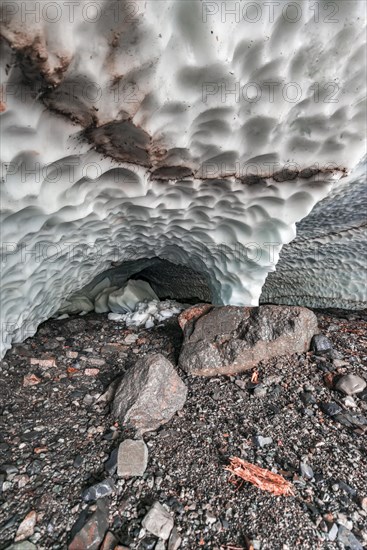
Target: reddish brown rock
192	314
150	393
88	532
26	528
231	339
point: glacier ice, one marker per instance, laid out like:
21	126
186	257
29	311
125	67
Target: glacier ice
171	130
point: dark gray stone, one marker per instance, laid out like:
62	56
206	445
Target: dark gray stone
230	339
321	344
331	409
150	393
99	490
111	463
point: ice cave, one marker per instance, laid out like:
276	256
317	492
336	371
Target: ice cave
181	143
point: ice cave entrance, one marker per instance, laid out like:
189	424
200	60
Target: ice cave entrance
140	292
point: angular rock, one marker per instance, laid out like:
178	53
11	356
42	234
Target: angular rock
88	532
158	521
26	528
347	538
109	542
321	344
25	545
231	339
132	458
175	540
350	384
306	470
99	490
261	441
331	408
150	393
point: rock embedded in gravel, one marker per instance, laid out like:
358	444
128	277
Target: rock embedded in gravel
25	545
100	490
230	339
132	458
158	521
331	408
150	393
347	538
261	441
321	344
26	528
175	540
88	532
306	470
350	384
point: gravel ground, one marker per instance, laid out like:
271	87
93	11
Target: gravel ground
56	435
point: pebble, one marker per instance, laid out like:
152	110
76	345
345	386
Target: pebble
260	391
350	384
175	540
347	538
26	528
261	441
99	490
111	463
132	459
158	521
321	344
333	533
306	470
331	409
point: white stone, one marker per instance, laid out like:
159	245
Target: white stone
158	521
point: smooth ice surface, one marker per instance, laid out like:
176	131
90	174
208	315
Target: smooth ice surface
172	130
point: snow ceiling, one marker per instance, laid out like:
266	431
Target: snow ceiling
190	131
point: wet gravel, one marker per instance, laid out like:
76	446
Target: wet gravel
57	436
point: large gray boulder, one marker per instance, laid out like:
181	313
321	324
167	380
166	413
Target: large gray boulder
150	393
229	339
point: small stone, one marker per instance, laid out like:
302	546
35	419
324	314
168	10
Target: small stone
96	361
25	545
71	354
349	402
8	469
99	490
321	344
158	521
111	464
31	380
91	372
130	339
347	538
306	470
261	441
149	394
161	545
109	542
350	384
26	528
307	398
333	533
331	409
45	363
260	391
88	532
174	540
132	458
